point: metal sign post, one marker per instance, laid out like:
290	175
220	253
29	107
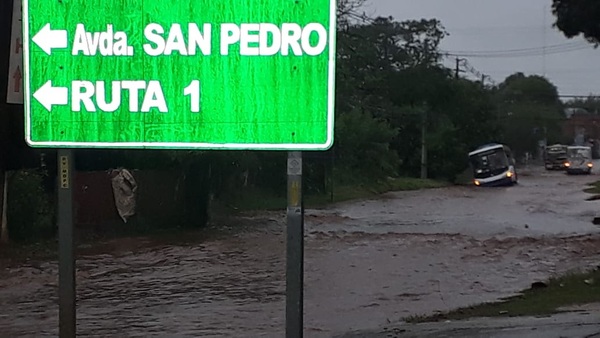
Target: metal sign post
295	248
66	268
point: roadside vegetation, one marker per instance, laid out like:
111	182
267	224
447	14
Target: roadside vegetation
257	200
593	188
542	299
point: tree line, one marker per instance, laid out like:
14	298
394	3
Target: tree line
398	112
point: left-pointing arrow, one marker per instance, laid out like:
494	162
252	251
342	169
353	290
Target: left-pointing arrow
49	96
48	39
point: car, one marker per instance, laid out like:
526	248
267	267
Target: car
579	160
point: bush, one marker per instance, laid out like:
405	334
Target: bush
31	209
362	147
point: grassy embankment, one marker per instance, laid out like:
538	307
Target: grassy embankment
593	188
569	290
260	200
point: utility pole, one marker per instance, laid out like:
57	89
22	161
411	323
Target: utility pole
424	145
458	70
483	77
544	48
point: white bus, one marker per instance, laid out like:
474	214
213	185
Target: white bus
493	165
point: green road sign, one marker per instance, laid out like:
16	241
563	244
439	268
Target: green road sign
206	74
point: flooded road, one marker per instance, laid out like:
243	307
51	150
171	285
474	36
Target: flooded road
368	264
545	203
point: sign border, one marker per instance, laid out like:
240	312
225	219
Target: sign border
185	145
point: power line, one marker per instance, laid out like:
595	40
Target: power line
522	52
460	55
568	44
580	96
515	55
504	53
586	70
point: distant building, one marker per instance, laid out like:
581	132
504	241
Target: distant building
569	112
582	128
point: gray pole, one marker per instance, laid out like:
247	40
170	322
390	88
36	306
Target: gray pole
66	268
424	145
331	174
294	292
457	70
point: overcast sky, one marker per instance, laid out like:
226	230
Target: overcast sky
501	25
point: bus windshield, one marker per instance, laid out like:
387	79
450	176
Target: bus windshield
489	163
579	152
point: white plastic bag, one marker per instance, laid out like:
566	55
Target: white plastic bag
124	190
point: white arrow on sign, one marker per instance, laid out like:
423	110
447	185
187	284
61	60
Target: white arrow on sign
48	95
48	39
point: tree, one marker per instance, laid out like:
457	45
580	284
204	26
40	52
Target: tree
591	104
370	57
364	146
424	91
575	17
530	111
469	120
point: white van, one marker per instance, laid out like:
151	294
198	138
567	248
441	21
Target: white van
579	160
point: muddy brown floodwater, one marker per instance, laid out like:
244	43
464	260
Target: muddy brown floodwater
368	264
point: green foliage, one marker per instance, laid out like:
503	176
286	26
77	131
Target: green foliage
256	199
447	152
594	188
575	17
571	289
363	146
472	109
590	104
390	86
391	89
407	143
534	88
529	110
448	107
30	208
